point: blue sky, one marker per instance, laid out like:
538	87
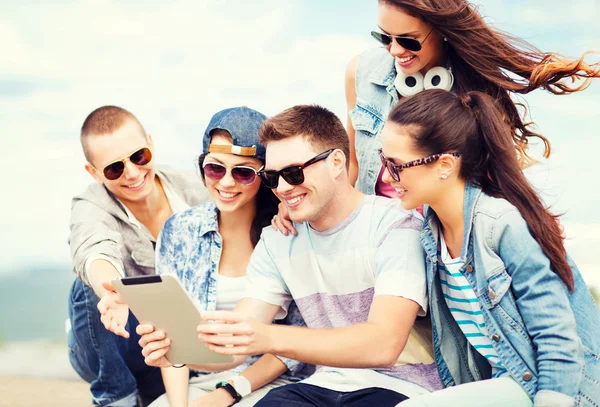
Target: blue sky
174	64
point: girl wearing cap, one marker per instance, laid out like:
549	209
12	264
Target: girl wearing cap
506	302
444	44
208	248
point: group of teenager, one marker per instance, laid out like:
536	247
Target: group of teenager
422	268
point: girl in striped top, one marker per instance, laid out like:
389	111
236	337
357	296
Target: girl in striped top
513	322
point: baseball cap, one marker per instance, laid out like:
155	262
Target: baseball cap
243	124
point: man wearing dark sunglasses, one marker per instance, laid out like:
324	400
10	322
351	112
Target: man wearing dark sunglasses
355	269
114	225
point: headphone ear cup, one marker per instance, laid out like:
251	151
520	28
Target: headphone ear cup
438	78
408	85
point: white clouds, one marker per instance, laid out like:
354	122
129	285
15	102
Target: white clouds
174	64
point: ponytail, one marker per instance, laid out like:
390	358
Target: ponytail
503	177
473	125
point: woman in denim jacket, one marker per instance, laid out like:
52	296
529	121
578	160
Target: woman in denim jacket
207	248
506	302
421	34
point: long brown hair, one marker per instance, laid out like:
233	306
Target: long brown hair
496	63
473	125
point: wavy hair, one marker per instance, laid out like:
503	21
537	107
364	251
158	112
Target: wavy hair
496	63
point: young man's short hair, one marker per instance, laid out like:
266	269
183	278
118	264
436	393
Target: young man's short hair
104	120
321	127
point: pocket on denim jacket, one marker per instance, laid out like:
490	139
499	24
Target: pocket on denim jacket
367	118
497	297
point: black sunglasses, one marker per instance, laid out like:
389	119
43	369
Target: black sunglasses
115	169
394	169
293	175
411	44
240	173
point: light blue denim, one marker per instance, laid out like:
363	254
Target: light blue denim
375	97
547	338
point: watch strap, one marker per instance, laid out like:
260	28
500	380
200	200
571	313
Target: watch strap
242	386
231	390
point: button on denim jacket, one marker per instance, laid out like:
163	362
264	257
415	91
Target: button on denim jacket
189	247
547	337
375	97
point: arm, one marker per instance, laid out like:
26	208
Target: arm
399	296
387	330
176	385
263	371
96	256
542	300
350	86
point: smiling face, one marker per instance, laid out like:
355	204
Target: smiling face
308	201
228	194
418	185
394	21
137	181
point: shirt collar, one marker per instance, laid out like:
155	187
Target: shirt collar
209	215
384	73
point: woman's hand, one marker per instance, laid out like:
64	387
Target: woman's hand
216	398
155	346
282	222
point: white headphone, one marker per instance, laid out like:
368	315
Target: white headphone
436	78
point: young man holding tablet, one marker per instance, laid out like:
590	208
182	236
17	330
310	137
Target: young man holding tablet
114	225
355	269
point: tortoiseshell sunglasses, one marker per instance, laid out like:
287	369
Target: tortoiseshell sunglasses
394	169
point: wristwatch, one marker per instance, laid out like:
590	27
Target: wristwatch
229	388
241	385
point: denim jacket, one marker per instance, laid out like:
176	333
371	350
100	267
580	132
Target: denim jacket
547	338
375	97
189	247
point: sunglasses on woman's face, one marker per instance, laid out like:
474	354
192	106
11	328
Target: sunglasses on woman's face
293	175
115	169
240	173
409	43
394	169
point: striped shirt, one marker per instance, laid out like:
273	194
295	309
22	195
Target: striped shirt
465	309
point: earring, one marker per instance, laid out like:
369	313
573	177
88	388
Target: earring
445	39
444	176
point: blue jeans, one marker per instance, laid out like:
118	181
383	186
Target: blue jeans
113	365
301	395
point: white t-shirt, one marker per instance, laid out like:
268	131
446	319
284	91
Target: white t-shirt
229	291
333	277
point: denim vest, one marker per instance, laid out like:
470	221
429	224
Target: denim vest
547	338
375	97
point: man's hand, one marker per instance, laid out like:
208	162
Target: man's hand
281	222
235	333
216	398
155	346
114	313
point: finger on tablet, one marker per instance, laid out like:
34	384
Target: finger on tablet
143	329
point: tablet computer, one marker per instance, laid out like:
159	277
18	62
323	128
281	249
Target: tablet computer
161	301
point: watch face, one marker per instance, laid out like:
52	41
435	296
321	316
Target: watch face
242	385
